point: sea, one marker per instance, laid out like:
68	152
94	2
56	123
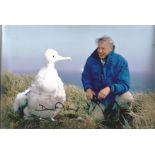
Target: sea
139	82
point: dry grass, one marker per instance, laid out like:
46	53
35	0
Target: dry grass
144	109
74	115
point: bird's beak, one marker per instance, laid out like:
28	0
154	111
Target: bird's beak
64	58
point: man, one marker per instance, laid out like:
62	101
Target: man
106	75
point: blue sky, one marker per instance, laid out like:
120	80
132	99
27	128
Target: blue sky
24	46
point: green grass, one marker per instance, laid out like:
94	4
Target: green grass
11	84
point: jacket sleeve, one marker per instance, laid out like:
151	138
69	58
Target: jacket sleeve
122	79
86	76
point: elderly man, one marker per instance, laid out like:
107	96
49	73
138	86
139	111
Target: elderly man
106	75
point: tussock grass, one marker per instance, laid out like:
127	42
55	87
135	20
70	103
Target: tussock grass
74	114
144	109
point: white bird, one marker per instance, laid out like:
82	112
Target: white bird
46	96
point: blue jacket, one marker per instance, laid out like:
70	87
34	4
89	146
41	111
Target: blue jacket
114	73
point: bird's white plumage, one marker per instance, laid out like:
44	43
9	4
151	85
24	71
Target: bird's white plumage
46	90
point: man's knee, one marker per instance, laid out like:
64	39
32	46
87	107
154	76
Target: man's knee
126	98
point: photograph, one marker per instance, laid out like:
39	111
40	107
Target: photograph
77	76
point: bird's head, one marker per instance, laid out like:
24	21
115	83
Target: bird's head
52	56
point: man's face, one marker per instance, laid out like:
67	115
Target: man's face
103	49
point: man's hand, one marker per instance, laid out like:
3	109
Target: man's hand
89	94
104	93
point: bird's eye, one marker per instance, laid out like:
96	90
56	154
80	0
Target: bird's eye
53	56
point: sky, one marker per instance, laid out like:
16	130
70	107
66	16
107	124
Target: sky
24	46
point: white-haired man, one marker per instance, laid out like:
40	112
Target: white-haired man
106	75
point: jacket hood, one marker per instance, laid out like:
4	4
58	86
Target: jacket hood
95	55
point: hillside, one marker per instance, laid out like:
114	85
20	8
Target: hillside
74	114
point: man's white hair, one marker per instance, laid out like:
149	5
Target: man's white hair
106	39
